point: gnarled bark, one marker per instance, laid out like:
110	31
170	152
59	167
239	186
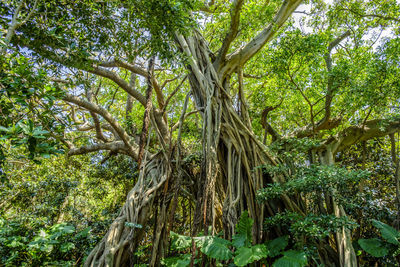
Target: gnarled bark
121	240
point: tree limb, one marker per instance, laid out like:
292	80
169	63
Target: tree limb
330	89
267	127
122	64
326	123
174	92
116	146
15	24
371	15
131	148
355	134
241	56
231	35
148	107
119	81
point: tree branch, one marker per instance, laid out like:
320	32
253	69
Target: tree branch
116	146
99	133
140	71
231	35
174	92
15	24
131	148
355	134
148	107
91	66
371	15
241	56
122	64
330	89
119	81
326	123
267	127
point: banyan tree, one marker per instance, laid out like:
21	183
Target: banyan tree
201	93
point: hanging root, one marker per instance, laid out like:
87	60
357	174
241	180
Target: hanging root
117	246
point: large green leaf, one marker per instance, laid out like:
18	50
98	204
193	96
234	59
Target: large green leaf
181	261
217	248
291	258
243	230
84	233
276	245
61	229
373	246
239	240
65	247
180	242
201	240
388	233
245	255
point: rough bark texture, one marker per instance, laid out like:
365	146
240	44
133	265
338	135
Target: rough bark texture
229	177
121	240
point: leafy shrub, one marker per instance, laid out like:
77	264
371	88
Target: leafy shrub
58	245
239	251
387	245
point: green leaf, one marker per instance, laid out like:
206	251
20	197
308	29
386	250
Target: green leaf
217	248
181	261
388	233
67	247
239	240
243	229
180	242
246	256
373	246
4	129
291	258
83	233
63	228
39	132
277	245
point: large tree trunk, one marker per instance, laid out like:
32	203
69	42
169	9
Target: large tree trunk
229	178
231	150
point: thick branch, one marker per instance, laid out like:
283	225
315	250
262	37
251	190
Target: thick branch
121	64
326	123
146	116
116	146
241	56
99	133
308	130
90	66
140	71
131	148
359	133
87	127
231	35
129	105
330	89
267	127
118	80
